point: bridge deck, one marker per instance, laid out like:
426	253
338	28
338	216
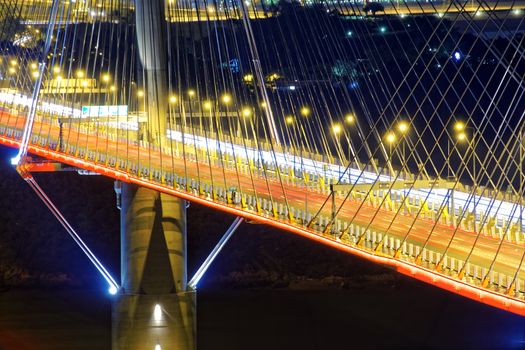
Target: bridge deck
261	197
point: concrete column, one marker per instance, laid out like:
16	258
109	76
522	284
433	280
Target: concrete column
154	306
152	49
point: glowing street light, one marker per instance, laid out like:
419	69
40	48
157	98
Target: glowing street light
403	126
226	99
390	138
56	69
350	118
34	74
246	112
140	93
34	65
459	126
80	74
207	105
337	129
289	120
191	93
462	137
173	99
106	78
305	111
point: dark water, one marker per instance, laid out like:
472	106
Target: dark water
407	316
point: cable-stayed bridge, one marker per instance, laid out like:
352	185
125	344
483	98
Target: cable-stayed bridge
397	139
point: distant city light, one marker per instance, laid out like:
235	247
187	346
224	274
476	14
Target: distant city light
382	29
517	12
112	290
349	33
457	55
292	87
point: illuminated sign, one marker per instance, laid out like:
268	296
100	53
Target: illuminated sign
104	111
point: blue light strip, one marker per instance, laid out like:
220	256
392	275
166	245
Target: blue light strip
216	250
113	286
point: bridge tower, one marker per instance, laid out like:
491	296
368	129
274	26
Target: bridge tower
155	308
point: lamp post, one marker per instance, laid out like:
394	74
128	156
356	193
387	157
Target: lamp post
403	127
390	139
226	99
337	129
461	136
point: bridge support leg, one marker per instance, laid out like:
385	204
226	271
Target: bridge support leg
155	306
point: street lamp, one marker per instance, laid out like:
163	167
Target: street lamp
305	111
403	127
390	139
350	118
462	137
226	99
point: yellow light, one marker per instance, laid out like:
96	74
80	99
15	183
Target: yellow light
173	99
106	78
402	127
248	77
84	83
80	74
140	93
350	119
305	111
34	65
459	126
336	128
113	88
462	136
273	76
391	137
34	74
13	62
289	120
246	112
12	70
207	105
211	9
263	105
56	69
226	98
191	93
